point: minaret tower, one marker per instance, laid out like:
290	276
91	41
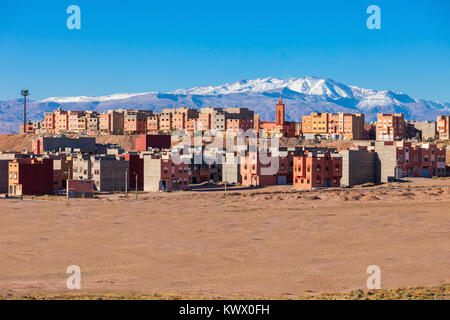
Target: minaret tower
280	112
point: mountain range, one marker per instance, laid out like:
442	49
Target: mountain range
301	96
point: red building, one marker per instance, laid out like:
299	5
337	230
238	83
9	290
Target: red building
424	160
143	142
317	170
30	176
136	170
257	170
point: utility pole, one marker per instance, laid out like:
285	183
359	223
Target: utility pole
126	183
224	172
136	185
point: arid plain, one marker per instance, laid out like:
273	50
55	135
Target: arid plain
271	242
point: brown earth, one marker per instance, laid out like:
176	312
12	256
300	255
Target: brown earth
253	243
18	142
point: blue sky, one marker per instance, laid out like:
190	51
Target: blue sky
139	46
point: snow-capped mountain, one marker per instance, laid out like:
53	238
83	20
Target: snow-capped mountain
301	96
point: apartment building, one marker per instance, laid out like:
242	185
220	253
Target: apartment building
176	119
342	126
399	159
443	127
265	169
390	126
135	121
112	122
92	121
81	167
62	170
219	121
110	173
61	121
5	158
74	117
29	176
349	126
239	119
426	129
426	160
153	124
162	174
317	170
315	123
49	122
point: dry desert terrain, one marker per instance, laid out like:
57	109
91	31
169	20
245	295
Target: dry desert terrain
269	242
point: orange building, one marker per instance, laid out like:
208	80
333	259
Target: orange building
315	123
61	121
266	171
153	124
390	126
135	121
74	116
49	122
348	125
239	119
317	170
443	127
111	122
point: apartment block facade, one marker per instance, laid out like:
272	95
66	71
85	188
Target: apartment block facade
162	174
317	170
266	169
348	126
443	127
135	121
390	126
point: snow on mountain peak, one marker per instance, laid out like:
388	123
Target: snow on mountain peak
118	96
306	85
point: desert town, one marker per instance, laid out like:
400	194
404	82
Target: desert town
65	157
287	211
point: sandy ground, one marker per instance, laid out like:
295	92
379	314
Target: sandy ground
269	242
